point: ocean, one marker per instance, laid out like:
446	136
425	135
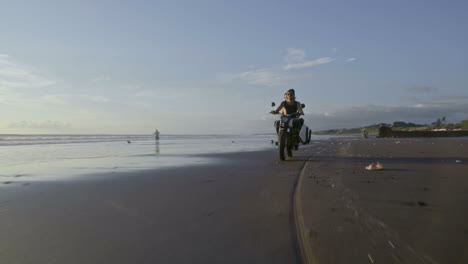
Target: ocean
46	157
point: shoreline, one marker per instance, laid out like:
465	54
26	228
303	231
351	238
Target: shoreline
240	209
236	211
140	156
46	160
204	160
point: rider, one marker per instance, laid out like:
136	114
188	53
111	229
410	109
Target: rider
289	106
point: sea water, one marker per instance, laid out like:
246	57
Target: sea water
37	157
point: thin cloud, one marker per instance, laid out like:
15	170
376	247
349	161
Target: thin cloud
101	79
364	115
161	94
67	99
54	99
425	98
453	97
275	76
132	87
99	99
16	75
421	89
263	77
351	59
45	125
311	63
294	56
144	105
295	59
92	98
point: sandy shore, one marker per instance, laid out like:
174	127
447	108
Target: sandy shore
237	211
413	211
240	210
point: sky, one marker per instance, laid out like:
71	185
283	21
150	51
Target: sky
214	67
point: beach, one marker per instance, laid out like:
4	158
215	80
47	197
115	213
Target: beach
235	211
415	210
243	209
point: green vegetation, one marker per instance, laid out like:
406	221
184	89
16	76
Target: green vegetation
440	123
464	124
344	131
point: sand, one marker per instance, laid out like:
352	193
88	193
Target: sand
237	211
240	210
413	211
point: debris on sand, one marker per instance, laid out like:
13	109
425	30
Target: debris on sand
421	203
374	166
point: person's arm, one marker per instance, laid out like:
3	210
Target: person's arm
299	109
277	109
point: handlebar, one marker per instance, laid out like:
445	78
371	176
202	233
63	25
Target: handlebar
297	114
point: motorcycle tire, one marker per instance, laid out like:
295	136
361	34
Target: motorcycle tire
281	144
290	152
289	146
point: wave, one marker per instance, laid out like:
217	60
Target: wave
14	140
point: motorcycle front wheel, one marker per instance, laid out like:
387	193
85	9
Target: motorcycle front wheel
291	142
289	147
282	144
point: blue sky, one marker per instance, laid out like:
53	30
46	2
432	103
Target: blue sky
215	66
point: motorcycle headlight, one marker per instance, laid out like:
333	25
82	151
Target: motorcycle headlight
284	119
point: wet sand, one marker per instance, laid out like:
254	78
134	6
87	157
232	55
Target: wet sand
240	210
237	211
413	211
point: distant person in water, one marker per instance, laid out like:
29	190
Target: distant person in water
289	106
156	134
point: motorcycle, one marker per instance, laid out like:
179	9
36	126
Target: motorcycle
288	135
